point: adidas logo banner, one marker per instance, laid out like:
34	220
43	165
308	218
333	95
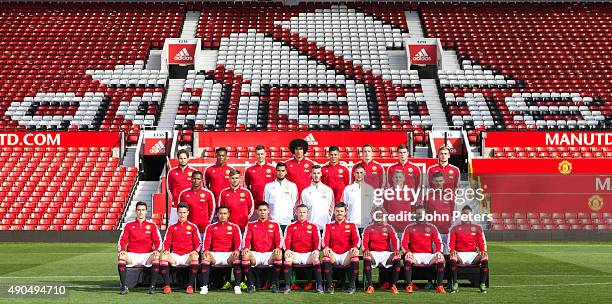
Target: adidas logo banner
423	51
181	53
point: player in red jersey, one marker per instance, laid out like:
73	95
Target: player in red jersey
298	167
221	246
411	171
451	173
335	175
262	246
181	247
468	246
341	243
375	173
177	180
200	200
441	204
139	245
217	175
238	199
302	244
398	205
422	245
380	248
258	175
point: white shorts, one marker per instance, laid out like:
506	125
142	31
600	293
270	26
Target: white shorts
340	258
424	258
180	260
444	239
467	257
301	258
139	259
221	258
380	258
261	258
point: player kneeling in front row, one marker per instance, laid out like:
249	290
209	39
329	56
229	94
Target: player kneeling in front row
181	247
468	245
422	245
262	247
302	245
340	247
139	245
221	247
380	248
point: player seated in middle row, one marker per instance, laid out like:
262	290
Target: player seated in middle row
262	247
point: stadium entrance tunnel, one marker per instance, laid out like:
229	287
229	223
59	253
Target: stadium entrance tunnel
152	167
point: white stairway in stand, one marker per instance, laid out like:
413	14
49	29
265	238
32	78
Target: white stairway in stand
144	192
190	25
171	105
432	97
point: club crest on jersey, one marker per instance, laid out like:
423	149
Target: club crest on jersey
347	226
242	194
374	168
451	172
229	228
309	227
188	228
306	165
340	171
270	226
148	227
427	229
189	173
268	170
473	229
202	195
227	171
384	230
410	170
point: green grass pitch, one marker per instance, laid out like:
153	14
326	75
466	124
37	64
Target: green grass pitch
520	273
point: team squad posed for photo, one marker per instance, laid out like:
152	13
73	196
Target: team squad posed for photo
298	215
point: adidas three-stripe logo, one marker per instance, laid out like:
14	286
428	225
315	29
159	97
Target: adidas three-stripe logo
184	52
310	139
422	53
158	147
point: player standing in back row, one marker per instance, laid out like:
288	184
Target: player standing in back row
335	175
258	175
299	166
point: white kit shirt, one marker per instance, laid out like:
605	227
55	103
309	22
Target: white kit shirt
281	196
320	201
358	211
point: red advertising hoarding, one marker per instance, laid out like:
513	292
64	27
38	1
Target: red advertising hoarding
314	139
546	185
60	139
549	139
